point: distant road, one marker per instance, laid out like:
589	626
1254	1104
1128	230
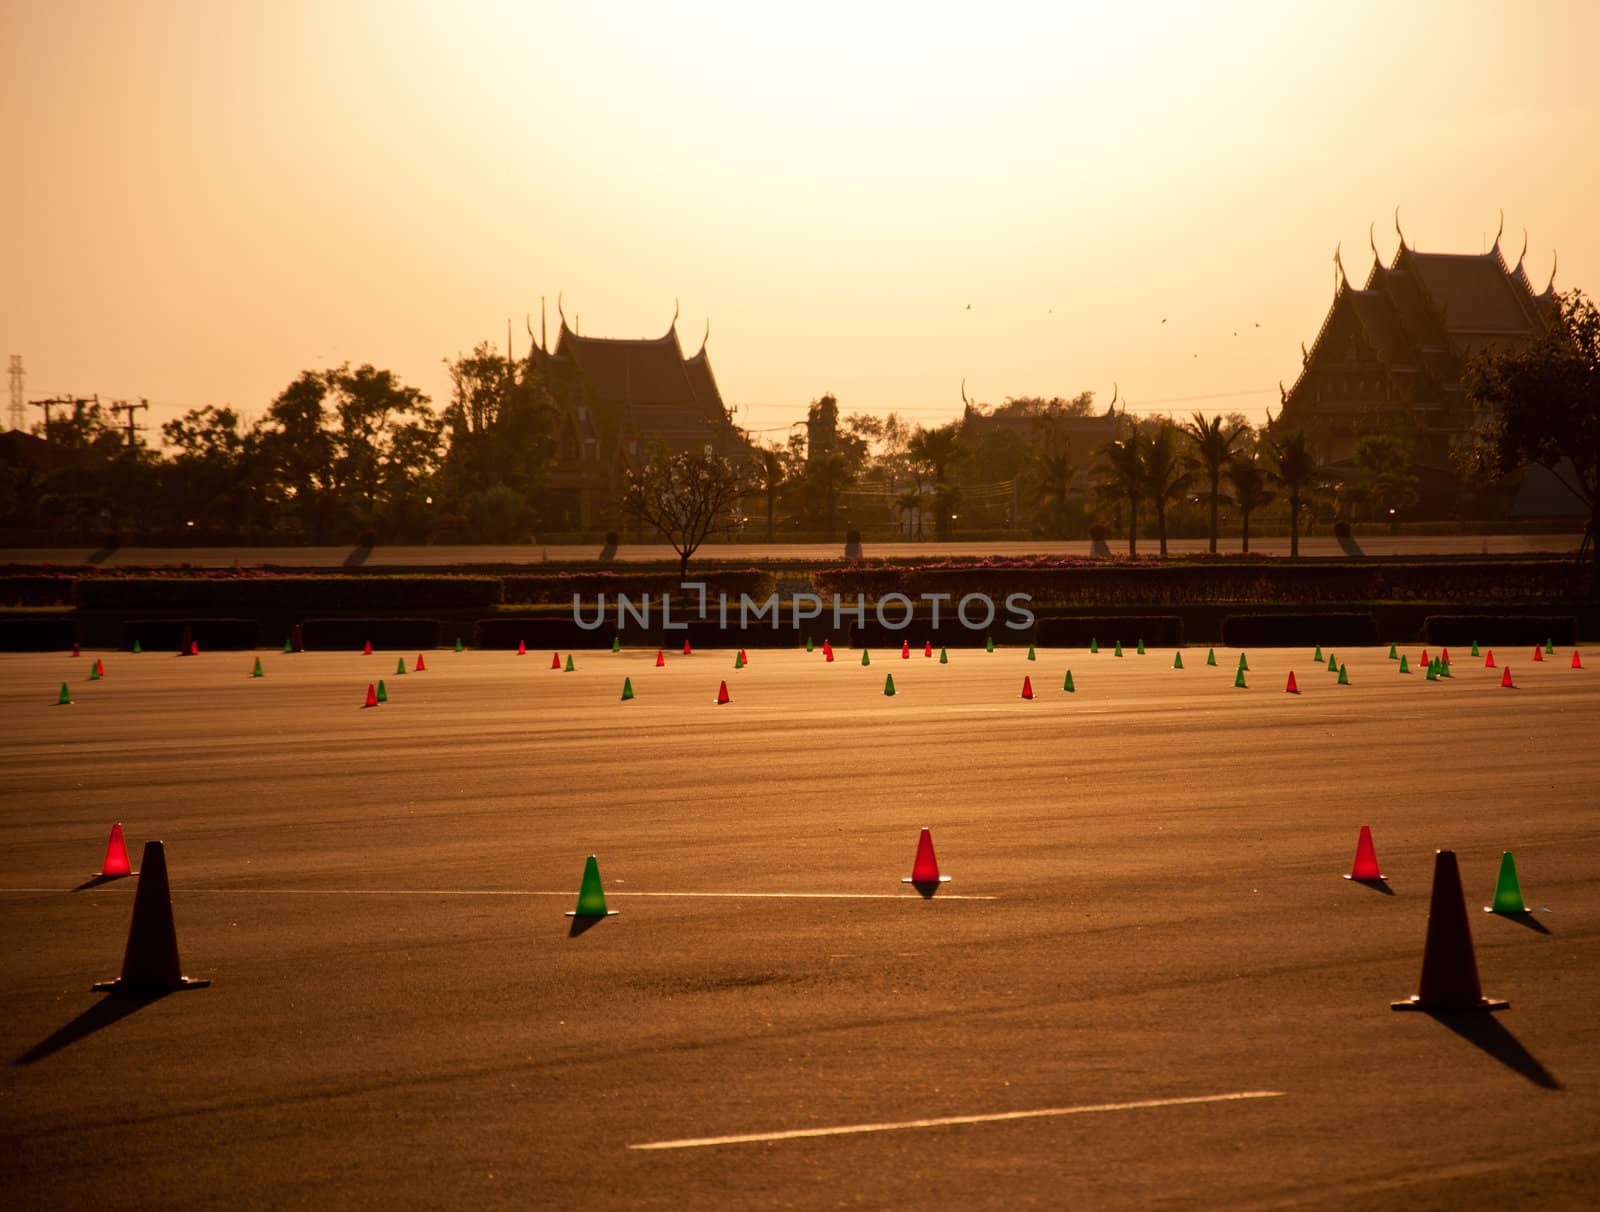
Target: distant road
431	556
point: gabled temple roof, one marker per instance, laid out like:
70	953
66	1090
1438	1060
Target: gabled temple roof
629	372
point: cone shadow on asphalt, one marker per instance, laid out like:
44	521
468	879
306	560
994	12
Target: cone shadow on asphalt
1525	919
1485	1031
1377	885
927	888
583	922
94	881
103	1013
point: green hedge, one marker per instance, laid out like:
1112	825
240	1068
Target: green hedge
288	593
559	587
1091	583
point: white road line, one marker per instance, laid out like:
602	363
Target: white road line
699	1142
610	892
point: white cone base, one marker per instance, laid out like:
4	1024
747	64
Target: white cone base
119	986
943	879
1484	1003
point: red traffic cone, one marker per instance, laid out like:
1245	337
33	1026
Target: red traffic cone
555	660
100	669
687	651
372	696
1505	678
194	648
925	868
722	693
1577	662
366	649
827	653
522	648
661	659
744	657
1488	659
1449	970
150	962
927	648
1365	868
419	667
905	650
1424	659
1538	653
116	861
1444	656
1291	688
1027	687
74	648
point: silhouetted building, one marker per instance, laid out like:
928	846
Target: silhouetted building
616	398
1390	357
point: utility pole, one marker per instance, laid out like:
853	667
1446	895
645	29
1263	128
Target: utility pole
130	409
17	375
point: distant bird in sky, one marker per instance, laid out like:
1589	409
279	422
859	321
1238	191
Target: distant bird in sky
1163	319
1236	332
969	306
1258	323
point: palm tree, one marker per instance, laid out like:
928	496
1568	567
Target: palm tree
770	474
1122	475
1250	491
936	450
1054	474
1165	475
1296	469
1214	442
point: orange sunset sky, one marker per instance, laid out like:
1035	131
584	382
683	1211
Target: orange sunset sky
874	200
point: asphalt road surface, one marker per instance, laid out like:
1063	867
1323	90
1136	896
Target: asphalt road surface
1145	984
525	553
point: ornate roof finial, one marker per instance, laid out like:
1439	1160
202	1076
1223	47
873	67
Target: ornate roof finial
1283	396
1372	243
1552	280
1397	230
1524	251
559	312
707	337
1304	356
1115	391
674	323
964	399
1344	278
1501	229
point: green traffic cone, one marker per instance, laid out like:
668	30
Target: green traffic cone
808	643
888	684
1317	655
1404	667
1211	656
1344	678
1238	679
1507	892
988	645
258	672
383	692
944	658
1393	654
137	649
65	699
616	643
1030	652
1094	645
1067	685
1433	672
400	667
866	657
591	896
458	643
1549	648
570	665
1475	651
738	659
627	689
1444	668
94	674
1118	652
1333	665
1177	660
1244	665
287	646
1140	650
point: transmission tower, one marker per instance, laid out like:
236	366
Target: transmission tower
17	375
